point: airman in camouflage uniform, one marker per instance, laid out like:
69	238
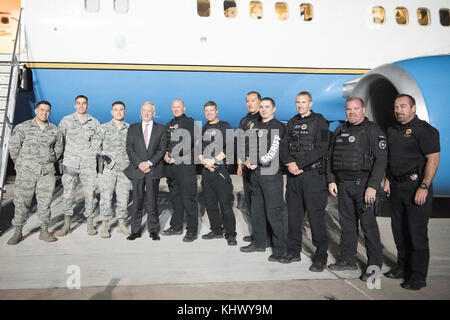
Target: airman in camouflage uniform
113	138
81	148
35	145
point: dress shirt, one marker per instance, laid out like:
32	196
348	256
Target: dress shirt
149	133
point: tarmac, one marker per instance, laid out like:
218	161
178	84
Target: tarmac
82	267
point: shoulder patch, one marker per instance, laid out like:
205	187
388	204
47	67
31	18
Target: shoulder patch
382	142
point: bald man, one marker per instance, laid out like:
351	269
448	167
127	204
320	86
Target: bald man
180	172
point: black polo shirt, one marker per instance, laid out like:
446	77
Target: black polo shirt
409	144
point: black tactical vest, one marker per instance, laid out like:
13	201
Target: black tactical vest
301	136
352	150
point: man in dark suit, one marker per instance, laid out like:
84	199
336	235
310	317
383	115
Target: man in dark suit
146	146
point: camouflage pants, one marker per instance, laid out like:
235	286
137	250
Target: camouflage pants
27	184
88	178
108	182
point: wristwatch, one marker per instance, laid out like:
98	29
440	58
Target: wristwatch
424	186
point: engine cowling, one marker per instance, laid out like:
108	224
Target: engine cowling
427	79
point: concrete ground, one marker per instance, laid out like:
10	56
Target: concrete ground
208	270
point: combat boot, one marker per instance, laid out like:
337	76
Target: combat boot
45	235
17	236
105	229
90	227
66	227
123	228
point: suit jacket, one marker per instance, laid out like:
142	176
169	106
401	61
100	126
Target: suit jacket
137	152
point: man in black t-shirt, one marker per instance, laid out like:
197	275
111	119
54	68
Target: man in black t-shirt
414	152
216	182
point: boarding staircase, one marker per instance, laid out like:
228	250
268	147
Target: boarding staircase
10	76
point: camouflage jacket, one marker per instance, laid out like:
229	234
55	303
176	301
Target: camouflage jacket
35	149
113	143
81	143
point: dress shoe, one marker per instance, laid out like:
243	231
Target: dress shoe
189	237
232	241
342	265
318	266
281	258
252	248
414	284
212	235
154	236
395	273
293	257
248	238
133	236
171	232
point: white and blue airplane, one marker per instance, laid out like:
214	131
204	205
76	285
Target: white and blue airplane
200	50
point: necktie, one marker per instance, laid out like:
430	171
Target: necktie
146	135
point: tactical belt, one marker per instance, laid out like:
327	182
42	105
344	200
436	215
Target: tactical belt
354	178
414	176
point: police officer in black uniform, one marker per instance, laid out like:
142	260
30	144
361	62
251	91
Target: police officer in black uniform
414	152
249	122
267	183
216	182
180	173
358	159
306	190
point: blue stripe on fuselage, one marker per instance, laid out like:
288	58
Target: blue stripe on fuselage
227	89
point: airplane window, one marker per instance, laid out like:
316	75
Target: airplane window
229	8
256	10
281	10
444	14
423	16
5	27
401	15
92	5
378	15
306	12
121	6
203	8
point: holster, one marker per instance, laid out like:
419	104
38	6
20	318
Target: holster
380	201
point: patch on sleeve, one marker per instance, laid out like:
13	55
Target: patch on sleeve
382	142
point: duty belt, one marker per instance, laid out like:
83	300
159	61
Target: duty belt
407	177
357	178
